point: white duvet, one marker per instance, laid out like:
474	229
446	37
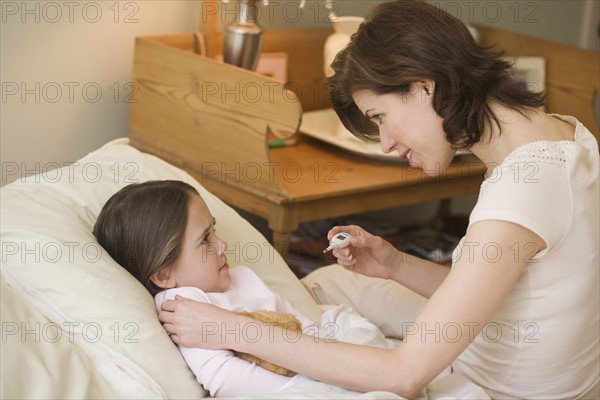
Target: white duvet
347	326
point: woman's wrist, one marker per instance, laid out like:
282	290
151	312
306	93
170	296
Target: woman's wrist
398	266
245	334
222	330
235	330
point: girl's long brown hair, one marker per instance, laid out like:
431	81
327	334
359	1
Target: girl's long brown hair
142	227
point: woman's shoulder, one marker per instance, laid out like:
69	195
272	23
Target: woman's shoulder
581	147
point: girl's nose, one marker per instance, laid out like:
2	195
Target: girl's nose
221	246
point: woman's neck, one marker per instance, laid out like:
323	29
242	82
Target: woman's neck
515	130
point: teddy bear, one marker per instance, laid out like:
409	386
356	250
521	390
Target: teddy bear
283	320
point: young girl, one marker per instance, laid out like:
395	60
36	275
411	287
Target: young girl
163	233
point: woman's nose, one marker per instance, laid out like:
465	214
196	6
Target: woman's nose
387	143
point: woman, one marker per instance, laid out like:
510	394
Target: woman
518	311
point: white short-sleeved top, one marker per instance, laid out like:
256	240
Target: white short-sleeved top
543	342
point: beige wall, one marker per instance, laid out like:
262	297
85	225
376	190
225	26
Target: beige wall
66	69
556	20
66	66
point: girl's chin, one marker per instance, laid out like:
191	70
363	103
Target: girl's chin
226	281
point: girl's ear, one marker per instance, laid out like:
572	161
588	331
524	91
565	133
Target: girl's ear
161	279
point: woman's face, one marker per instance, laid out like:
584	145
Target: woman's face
409	125
202	262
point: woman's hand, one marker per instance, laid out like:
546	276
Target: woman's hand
190	323
367	254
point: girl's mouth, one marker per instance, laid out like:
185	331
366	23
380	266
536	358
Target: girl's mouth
406	155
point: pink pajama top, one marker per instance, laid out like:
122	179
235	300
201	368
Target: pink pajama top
220	371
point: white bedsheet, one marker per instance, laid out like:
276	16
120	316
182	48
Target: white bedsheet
347	326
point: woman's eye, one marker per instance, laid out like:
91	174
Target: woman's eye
378	118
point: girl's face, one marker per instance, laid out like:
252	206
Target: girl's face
202	262
409	125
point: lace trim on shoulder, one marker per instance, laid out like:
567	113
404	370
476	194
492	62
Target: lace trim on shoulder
546	151
549	152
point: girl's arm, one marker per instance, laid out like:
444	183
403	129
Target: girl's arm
467	298
225	375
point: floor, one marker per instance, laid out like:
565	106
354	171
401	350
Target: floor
429	237
431	240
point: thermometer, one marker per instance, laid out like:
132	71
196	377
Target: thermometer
339	241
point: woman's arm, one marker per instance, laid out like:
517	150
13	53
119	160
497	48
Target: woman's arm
466	300
372	256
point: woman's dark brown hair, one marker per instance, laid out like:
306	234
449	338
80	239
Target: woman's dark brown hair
142	227
403	42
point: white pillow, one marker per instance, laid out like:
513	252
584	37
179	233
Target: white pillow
34	350
51	255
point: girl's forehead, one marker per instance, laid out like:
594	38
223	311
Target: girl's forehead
199	210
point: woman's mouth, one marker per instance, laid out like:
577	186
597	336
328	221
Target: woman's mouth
224	267
406	155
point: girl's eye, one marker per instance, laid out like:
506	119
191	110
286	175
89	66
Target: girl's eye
212	231
206	238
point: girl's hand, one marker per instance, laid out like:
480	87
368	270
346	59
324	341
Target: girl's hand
367	254
190	323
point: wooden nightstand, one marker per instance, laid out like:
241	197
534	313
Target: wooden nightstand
214	121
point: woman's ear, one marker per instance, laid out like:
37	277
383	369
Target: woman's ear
161	279
429	86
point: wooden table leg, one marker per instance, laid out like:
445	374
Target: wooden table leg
281	243
443	212
283	221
